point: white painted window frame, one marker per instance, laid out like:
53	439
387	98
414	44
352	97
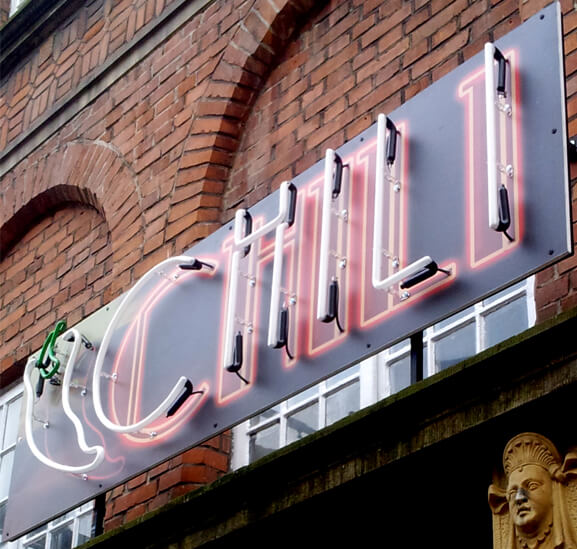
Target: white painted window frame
7	397
71	518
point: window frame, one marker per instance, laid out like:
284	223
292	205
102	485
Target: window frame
8	397
47	531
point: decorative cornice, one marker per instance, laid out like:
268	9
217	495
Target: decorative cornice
28	27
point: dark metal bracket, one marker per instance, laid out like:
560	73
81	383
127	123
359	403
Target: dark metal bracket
333	312
391	149
502	74
427	272
188	392
283	335
237	358
572	150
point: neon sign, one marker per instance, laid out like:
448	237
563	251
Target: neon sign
399	228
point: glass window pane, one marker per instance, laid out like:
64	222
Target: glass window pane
265	441
444	323
267	414
6	473
456	346
39	543
509	290
12	419
395	375
311	392
345	374
61	538
343	402
84	529
400	346
506	322
399	374
302	423
71	515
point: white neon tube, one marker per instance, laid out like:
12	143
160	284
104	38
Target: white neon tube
280	223
323	286
80	437
228	354
380	186
241	241
176	390
379	201
275	293
490	115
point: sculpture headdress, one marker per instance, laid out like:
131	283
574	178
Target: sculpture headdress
531	449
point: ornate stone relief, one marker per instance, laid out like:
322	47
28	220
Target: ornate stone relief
536	508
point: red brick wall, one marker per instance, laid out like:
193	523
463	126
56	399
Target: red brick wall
243	95
51	273
81	45
151	490
4	11
76	288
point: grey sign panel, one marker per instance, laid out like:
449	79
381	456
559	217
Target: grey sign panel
212	326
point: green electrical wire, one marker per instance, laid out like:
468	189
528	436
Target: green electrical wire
48	348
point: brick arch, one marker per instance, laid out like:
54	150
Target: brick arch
225	103
86	172
38	207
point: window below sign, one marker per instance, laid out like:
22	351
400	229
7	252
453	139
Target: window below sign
65	532
446	343
10	404
69	530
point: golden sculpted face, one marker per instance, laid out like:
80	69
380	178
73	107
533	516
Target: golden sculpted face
530	497
536	505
